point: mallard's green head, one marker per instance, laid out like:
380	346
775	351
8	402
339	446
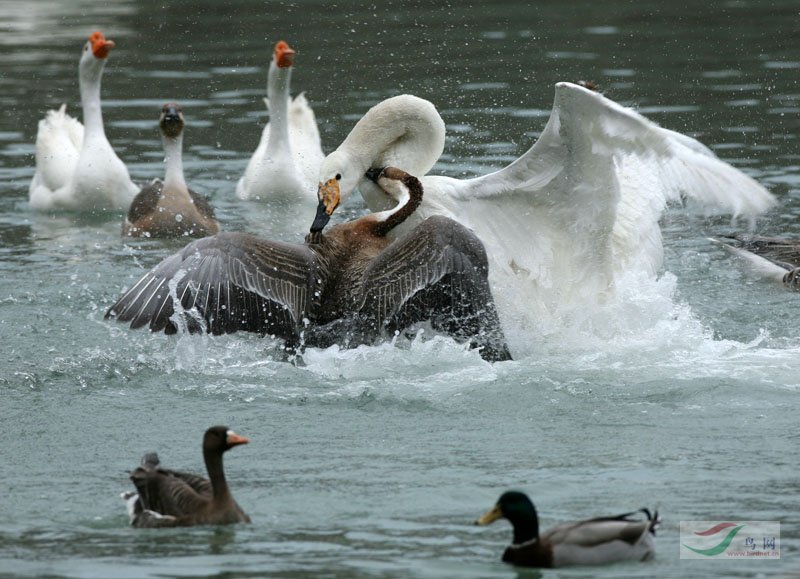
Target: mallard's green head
520	512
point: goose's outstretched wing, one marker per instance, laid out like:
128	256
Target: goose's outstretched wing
437	272
225	283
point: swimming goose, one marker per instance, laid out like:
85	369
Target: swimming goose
591	542
169	208
351	285
168	498
283	169
563	222
76	168
772	258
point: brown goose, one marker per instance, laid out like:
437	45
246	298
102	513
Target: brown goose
169	208
168	498
437	272
349	286
589	542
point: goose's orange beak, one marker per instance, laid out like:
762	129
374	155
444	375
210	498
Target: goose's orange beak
329	196
284	55
100	45
234	439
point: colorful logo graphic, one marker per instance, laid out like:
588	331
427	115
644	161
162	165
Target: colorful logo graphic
709	539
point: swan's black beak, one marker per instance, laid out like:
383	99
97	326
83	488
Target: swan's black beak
374	174
321	219
328	194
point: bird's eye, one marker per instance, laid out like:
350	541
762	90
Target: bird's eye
338	176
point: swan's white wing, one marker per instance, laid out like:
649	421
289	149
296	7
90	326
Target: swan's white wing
58	145
590	124
591	190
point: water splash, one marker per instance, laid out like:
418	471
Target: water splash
189	353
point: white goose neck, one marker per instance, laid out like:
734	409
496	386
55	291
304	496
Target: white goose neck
91	71
278	94
173	149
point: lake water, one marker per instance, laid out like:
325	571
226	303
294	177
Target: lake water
375	461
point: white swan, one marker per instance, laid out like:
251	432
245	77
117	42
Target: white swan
579	209
285	165
76	168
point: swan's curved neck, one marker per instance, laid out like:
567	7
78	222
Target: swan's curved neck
408	199
403	131
278	94
173	159
90	75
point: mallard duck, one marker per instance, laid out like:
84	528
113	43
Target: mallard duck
590	542
169	498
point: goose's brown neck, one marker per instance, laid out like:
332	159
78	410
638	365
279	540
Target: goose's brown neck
216	474
396	218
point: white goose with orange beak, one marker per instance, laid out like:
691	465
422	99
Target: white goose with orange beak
283	169
76	167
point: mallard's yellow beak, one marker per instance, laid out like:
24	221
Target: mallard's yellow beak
490	516
329	197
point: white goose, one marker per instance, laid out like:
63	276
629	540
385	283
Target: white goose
76	168
570	216
284	167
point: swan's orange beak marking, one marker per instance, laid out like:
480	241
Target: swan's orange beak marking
100	46
490	517
233	439
329	195
284	55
